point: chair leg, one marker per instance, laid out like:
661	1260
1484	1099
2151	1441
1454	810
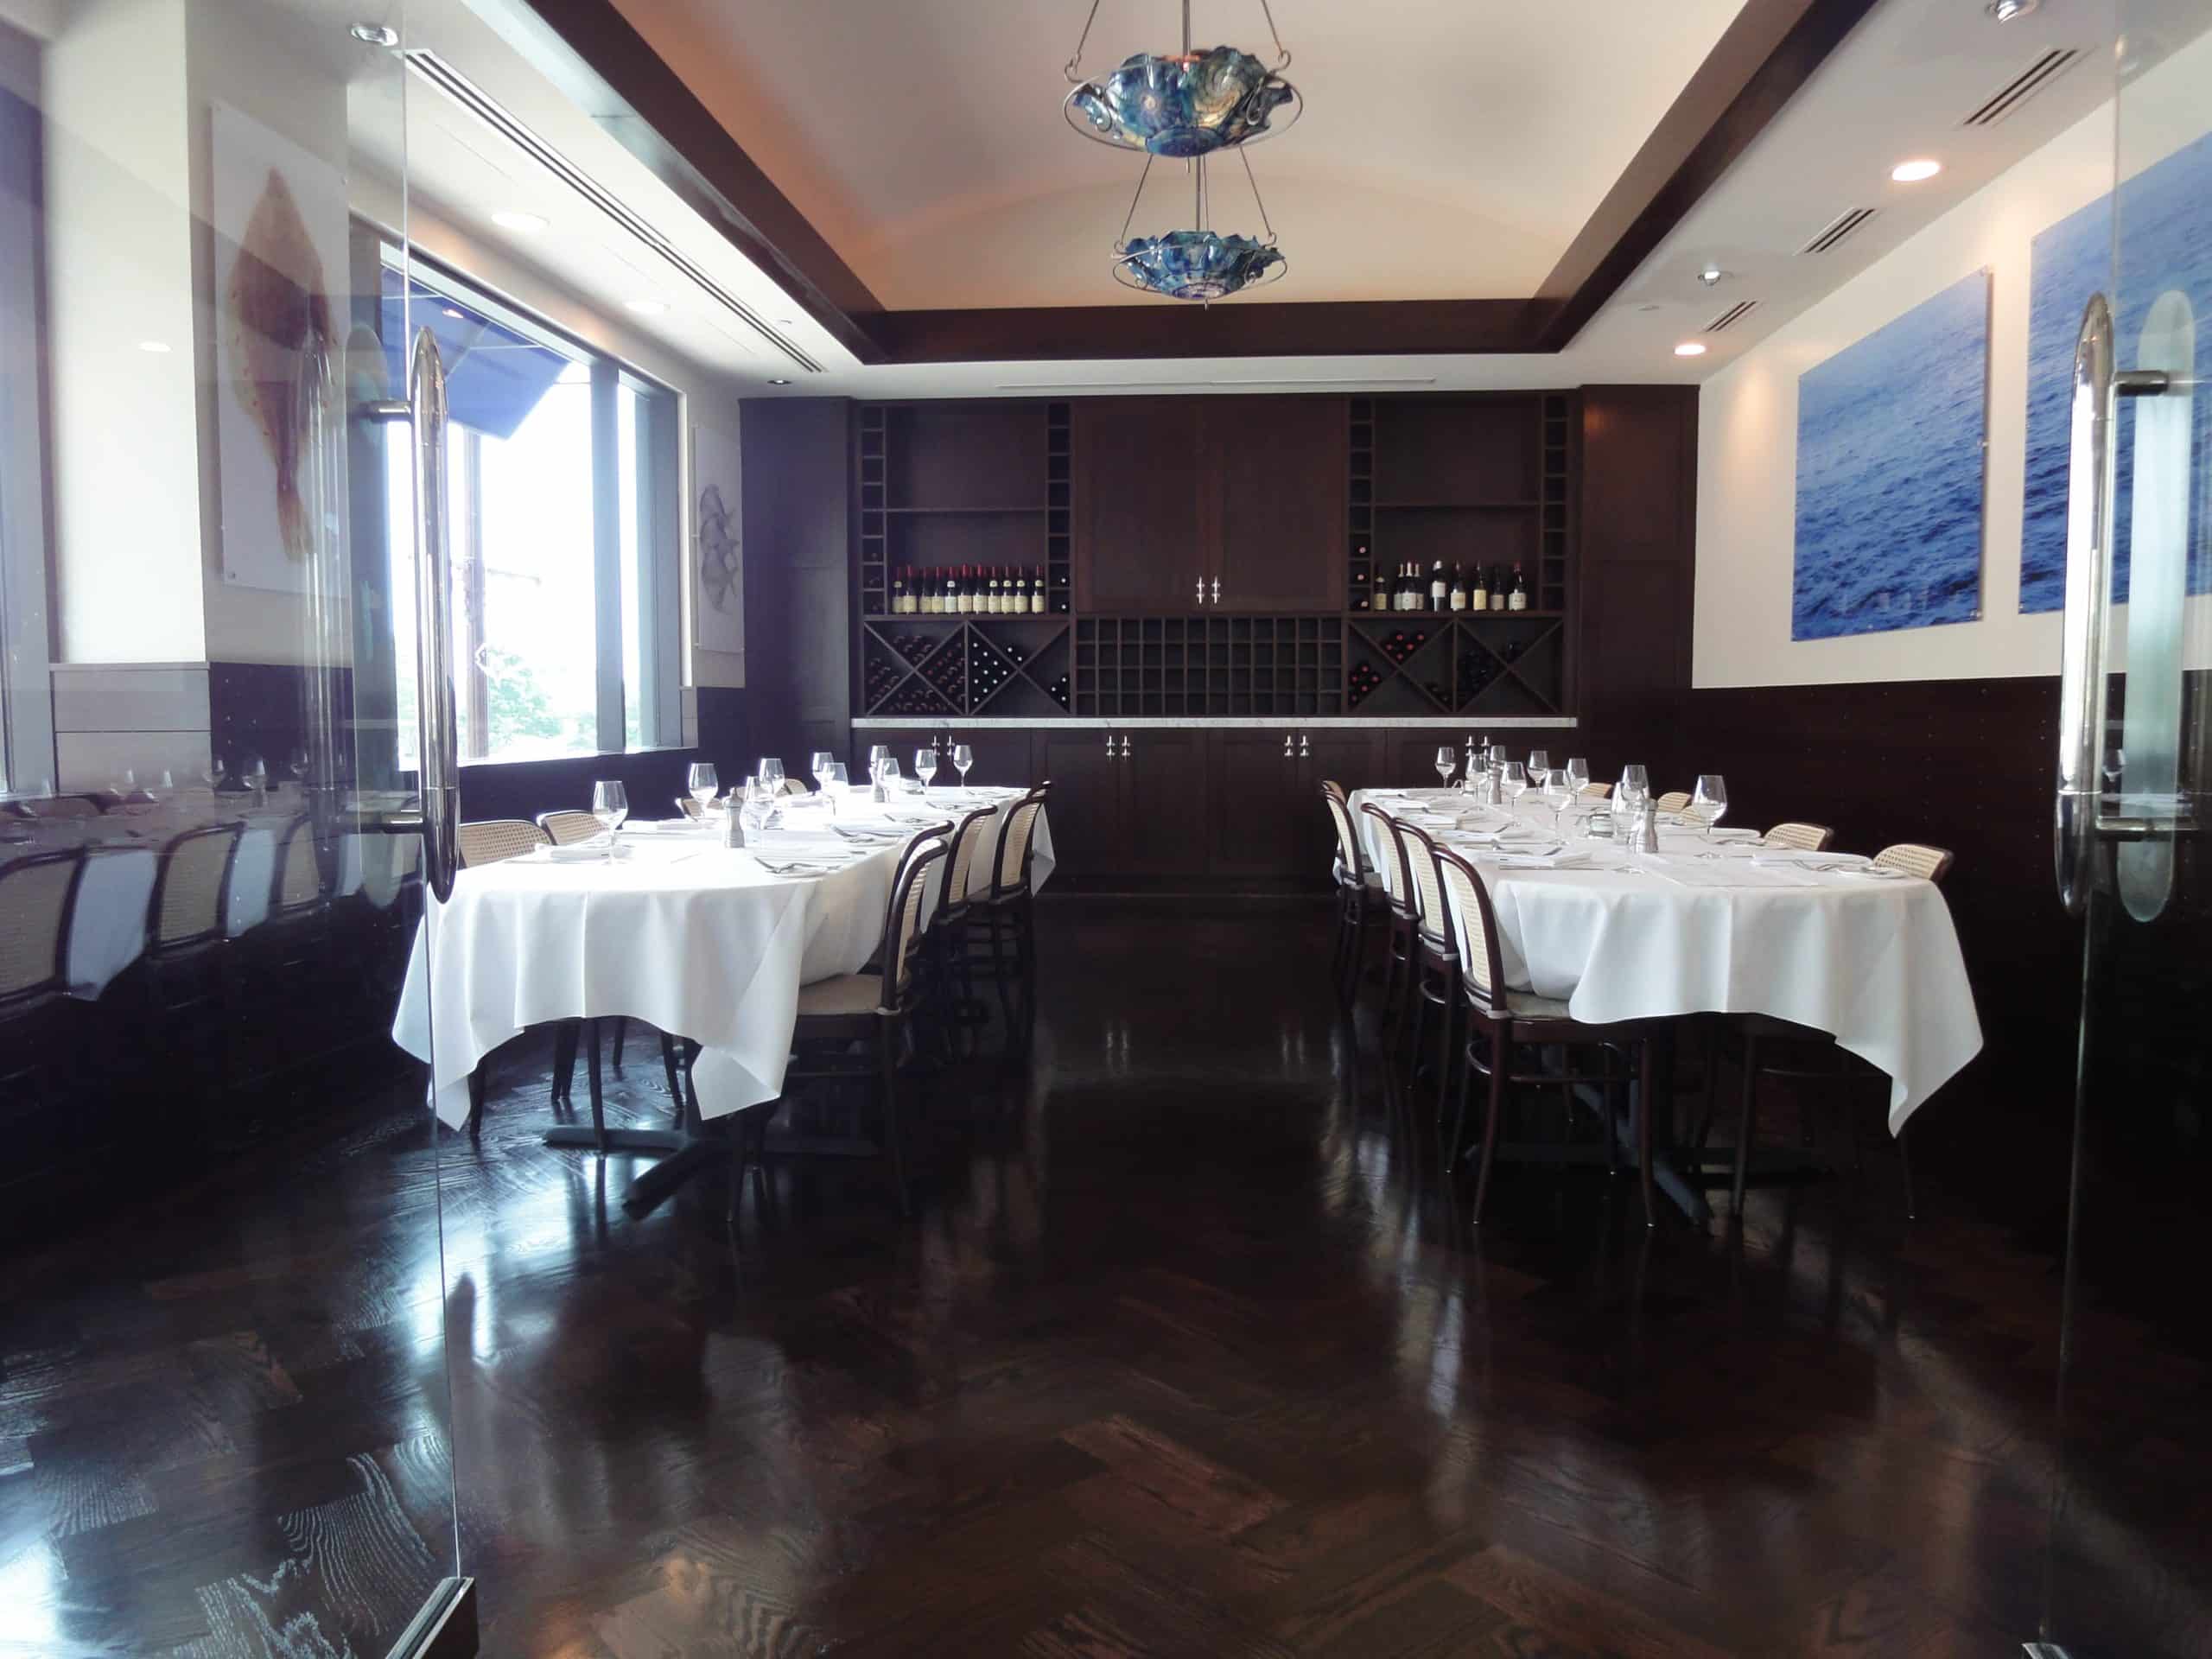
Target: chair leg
1444	1046
598	1117
1459	1118
1646	1108
1420	1023
668	1070
564	1058
1745	1123
888	1041
1000	968
1501	1059
476	1101
621	1029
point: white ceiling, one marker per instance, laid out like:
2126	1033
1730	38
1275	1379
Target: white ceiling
1449	149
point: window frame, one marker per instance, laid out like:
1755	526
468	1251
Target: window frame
658	510
27	751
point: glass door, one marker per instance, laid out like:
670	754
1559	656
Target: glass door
224	1414
2127	1571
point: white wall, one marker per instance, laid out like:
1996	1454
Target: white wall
1748	419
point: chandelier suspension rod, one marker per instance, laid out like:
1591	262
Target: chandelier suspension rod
1070	69
1282	58
1256	199
1129	217
1186	28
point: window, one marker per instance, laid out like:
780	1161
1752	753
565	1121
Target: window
563	548
26	701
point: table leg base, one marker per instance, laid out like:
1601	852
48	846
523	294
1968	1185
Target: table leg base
582	1134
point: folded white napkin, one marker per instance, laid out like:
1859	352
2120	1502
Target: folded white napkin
580	852
1734	834
1557	861
1810	861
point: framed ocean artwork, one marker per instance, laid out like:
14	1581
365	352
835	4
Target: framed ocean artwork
2165	242
1889	473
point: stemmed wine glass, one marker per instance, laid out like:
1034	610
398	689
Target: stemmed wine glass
1513	782
1559	792
1539	762
1634	788
1447	762
963	758
926	764
610	804
703	783
818	764
876	756
1710	804
758	810
1578	772
769	770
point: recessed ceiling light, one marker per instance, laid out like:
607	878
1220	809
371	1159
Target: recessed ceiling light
2006	10
1711	274
160	347
455	313
786	322
374	34
1690	348
1648	305
1914	172
646	308
779	383
527	223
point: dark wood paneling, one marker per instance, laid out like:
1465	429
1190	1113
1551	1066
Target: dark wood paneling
1635	570
1345	757
799	579
1137	471
1273	498
1086	802
1165	803
965	453
1456	451
1310	328
1252	777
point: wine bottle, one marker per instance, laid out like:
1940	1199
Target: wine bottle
1459	589
1438	593
1519	599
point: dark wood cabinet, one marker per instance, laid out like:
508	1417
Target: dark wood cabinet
1347	757
1164	797
1136	465
1086	806
1273	504
1251	830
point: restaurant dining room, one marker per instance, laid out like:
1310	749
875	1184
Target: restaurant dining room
1105	827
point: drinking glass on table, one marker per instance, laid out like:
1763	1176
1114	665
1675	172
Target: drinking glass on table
703	784
1447	762
876	756
818	764
1577	771
1710	803
963	758
1559	792
769	770
1539	762
926	764
1634	788
610	804
758	809
1513	783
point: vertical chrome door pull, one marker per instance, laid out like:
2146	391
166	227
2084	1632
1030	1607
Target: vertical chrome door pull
2088	597
440	730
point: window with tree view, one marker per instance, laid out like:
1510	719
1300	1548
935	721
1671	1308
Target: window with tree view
562	592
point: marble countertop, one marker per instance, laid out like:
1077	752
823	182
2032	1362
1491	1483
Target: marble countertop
1208	722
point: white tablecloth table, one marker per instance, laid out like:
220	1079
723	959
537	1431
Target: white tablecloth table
696	939
1873	963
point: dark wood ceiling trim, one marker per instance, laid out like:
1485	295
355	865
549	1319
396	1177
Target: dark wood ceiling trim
1161	328
591	54
587	49
1761	59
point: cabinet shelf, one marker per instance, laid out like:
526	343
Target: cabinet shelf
963	512
1457	506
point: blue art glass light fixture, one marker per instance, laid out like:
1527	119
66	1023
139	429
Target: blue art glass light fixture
1186	103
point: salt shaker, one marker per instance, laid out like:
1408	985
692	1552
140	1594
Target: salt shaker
1643	830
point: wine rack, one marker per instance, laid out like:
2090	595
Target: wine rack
1001	665
1508	664
1207	665
1360	517
1555	556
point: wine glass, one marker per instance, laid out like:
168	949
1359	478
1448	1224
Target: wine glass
1559	792
257	776
703	783
769	770
1447	762
1710	803
610	804
819	764
1539	762
876	756
759	808
837	775
1634	788
1513	781
926	764
1577	771
963	758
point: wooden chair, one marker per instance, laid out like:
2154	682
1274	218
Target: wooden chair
1801	837
1402	935
187	935
292	945
567	826
1596	792
38	907
1675	800
948	926
870	1012
493	841
1359	892
1004	914
1436	954
689	808
1500	1020
1811	1057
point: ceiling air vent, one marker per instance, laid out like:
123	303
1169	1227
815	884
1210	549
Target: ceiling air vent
1735	314
1836	229
473	98
2024	87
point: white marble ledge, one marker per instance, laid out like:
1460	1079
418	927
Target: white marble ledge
1216	722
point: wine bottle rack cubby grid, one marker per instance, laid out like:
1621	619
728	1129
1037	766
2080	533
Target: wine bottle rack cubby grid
1501	666
1154	665
1555	526
876	575
946	666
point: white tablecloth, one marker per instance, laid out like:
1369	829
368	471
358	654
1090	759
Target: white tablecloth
690	937
1874	963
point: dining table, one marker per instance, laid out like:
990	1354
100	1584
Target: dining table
1718	923
664	922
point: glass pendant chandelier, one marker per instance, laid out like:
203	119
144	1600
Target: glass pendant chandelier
1188	107
1183	104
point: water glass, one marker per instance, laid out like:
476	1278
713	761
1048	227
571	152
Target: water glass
926	764
1539	762
1447	762
1559	792
1634	788
769	770
876	756
837	775
610	804
963	758
818	764
1710	803
1577	771
703	783
759	809
1512	781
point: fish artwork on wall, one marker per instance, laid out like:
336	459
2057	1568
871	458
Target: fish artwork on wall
278	311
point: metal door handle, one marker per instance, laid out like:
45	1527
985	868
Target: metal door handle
1125	748
1287	751
2088	597
1304	746
1202	590
1217	590
439	729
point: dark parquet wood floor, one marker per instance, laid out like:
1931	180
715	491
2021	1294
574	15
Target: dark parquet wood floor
1184	1353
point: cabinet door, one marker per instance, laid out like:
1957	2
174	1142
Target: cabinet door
1275	501
1164	795
1136	515
1346	757
1086	807
1251	788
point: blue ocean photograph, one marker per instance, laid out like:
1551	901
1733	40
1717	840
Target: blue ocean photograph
2165	242
1890	436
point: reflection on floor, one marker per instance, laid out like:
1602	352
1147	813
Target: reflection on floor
1184	1353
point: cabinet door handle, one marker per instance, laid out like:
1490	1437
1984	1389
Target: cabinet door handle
1202	590
1125	748
1287	751
1304	746
1217	590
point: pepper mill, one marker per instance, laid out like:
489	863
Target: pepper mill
1643	832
